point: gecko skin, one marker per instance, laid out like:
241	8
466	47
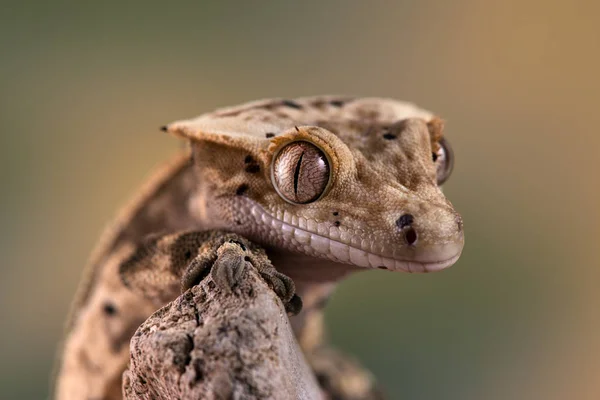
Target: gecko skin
326	185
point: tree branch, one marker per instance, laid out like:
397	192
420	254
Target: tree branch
215	343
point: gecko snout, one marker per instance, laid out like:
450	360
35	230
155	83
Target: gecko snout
434	238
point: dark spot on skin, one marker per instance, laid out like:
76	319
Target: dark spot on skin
189	241
336	103
249	159
164	128
434	156
241	189
404	221
291	104
382	267
411	236
337	223
297	130
389	136
335	213
252	168
109	309
269	135
247	258
238	222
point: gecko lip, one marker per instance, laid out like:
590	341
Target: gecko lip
304	241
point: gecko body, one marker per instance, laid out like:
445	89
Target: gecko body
326	185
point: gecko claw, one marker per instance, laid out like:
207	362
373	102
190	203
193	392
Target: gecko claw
294	306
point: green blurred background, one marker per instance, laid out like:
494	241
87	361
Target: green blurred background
84	87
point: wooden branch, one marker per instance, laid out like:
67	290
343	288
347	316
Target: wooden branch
213	343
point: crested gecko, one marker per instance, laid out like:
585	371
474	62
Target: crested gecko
326	185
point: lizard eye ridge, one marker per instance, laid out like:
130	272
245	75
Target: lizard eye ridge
300	172
444	160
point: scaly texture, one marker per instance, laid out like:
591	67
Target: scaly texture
382	207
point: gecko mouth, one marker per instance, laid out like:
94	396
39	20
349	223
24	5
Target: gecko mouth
301	240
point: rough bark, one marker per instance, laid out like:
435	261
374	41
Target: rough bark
215	343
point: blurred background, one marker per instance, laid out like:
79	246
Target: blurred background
85	86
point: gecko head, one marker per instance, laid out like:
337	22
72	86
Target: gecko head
347	185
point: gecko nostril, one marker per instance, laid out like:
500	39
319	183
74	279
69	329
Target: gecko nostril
410	235
404	224
404	221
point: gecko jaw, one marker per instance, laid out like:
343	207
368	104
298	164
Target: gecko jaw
301	240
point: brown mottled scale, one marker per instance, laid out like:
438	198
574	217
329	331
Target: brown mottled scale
365	162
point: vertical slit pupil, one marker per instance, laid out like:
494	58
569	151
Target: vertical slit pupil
297	174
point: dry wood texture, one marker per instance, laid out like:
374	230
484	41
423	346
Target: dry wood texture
214	343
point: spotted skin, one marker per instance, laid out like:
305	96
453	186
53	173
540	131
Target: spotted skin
380	153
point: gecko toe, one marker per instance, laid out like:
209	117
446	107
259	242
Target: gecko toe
229	266
197	270
228	260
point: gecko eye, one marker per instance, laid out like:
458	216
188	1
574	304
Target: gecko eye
300	172
444	160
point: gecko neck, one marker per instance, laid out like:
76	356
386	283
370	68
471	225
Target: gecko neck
308	270
315	280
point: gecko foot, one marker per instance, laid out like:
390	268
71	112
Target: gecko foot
225	260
